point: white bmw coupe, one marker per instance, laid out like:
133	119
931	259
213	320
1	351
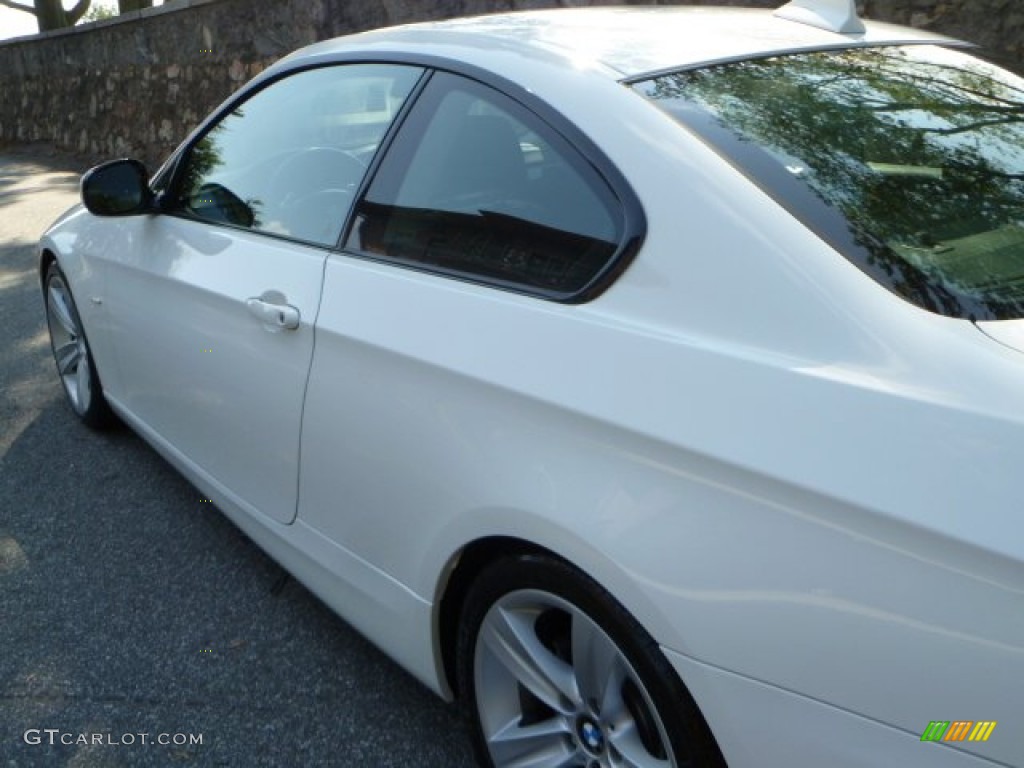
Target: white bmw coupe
651	380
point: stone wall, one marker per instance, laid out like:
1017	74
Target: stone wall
136	85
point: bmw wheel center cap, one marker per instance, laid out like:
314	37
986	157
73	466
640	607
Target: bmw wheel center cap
591	736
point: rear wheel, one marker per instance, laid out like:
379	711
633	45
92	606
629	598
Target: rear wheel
554	672
71	352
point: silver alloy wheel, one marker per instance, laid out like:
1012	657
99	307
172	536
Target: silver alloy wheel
68	343
553	689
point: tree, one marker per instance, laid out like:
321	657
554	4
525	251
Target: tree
50	13
99	13
918	157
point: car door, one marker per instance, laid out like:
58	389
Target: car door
435	313
212	305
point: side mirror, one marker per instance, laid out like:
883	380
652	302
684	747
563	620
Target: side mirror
117	188
215	202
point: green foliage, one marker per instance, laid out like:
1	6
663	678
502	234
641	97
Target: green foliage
101	12
922	154
98	13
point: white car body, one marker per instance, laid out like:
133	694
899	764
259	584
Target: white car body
807	490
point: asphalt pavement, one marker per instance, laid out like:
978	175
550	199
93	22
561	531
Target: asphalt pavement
138	626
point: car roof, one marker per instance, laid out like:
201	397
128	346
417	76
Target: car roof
626	42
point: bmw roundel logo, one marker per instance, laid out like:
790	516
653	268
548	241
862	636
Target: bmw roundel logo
593	739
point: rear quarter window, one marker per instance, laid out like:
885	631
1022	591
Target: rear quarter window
476	186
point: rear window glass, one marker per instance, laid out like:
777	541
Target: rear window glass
478	187
907	159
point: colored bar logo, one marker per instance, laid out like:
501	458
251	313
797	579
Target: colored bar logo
958	730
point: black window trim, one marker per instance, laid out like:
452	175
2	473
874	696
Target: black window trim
865	252
654	74
172	172
634	220
632	223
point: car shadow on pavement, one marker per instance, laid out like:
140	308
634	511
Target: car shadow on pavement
130	606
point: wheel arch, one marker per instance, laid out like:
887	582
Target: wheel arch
47	256
454	556
97	413
465	565
463	569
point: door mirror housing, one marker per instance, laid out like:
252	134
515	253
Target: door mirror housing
118	188
215	202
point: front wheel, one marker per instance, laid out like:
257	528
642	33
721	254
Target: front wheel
555	673
71	352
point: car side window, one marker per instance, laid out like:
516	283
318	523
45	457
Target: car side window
288	160
477	186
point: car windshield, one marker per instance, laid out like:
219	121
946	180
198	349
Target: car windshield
909	160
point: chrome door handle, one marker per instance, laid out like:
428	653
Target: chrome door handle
275	316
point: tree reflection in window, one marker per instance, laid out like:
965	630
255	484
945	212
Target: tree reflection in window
288	160
215	202
920	149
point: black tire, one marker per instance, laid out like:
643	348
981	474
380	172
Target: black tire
671	729
72	354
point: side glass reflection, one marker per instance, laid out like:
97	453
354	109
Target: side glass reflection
289	159
921	150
